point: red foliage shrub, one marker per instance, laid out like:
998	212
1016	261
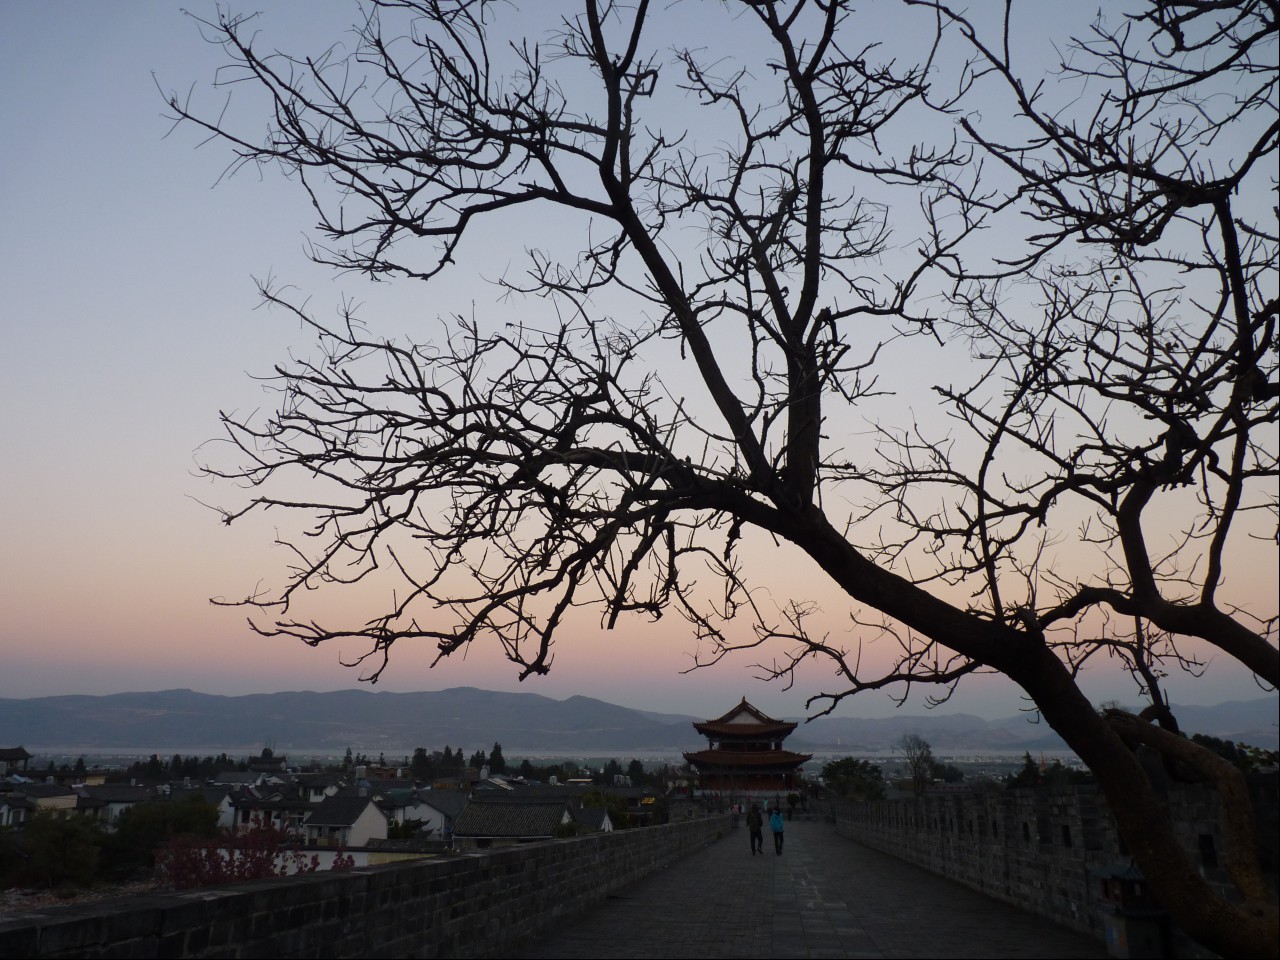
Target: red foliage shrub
263	851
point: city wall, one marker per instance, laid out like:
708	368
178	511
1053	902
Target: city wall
473	905
1045	849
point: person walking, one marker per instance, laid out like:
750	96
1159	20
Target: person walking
776	824
755	828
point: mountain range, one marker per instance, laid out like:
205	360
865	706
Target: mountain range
524	723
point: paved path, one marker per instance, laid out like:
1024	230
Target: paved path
824	897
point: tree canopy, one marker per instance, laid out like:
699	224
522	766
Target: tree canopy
992	346
854	778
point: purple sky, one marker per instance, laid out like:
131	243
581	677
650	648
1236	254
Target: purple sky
129	320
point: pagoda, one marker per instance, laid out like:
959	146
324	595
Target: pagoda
745	754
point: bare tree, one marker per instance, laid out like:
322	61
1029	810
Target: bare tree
919	756
1116	362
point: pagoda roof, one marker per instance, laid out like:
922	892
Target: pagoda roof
760	758
746	722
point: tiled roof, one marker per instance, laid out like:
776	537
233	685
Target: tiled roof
44	790
745	721
568	792
509	819
272	803
315	780
449	802
337	811
116	793
591	817
213	795
386	784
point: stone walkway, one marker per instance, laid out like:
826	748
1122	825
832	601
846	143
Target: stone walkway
824	897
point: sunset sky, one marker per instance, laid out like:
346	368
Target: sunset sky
129	318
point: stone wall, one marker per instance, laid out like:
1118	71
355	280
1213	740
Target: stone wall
1043	849
473	905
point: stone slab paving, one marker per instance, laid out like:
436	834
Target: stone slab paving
824	897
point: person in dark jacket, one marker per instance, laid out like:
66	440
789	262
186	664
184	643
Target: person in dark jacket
755	828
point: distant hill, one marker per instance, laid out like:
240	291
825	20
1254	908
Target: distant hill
1251	721
330	722
524	723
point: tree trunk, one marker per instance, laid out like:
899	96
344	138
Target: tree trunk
1248	929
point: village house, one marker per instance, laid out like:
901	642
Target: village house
13	760
15	808
430	812
345	821
49	798
104	803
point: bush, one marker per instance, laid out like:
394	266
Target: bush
57	852
143	829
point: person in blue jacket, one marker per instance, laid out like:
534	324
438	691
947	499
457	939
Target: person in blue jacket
775	825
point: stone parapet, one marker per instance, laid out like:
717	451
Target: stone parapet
1043	849
474	905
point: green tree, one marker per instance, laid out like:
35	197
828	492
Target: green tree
617	807
144	828
1255	759
1028	776
398	830
854	779
497	764
60	851
452	764
1086	250
946	772
421	766
1059	775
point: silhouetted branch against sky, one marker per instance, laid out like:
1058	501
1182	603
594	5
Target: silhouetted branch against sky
767	237
975	321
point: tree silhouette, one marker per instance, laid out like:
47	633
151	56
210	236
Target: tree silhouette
855	779
1088	256
919	757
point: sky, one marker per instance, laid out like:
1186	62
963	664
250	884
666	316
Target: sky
130	318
